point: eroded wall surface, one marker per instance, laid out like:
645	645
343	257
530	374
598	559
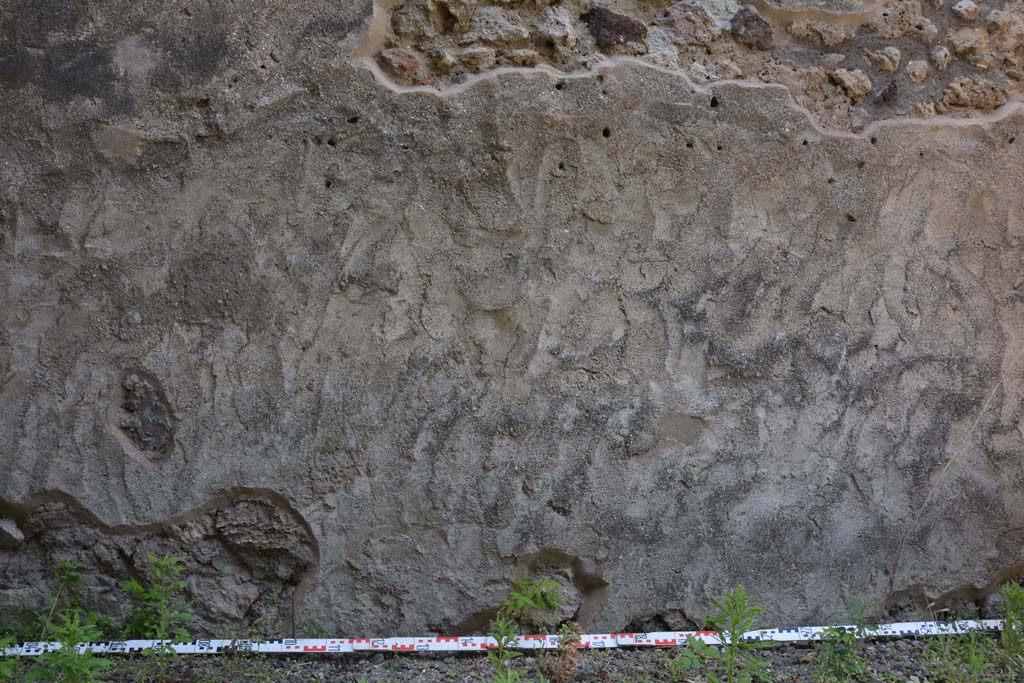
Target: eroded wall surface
363	342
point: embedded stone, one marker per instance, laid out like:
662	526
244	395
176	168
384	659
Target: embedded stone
495	25
145	415
751	29
477	59
829	34
887	95
855	83
556	26
886	59
688	24
401	60
965	10
975	93
969	41
917	70
611	28
940	57
10	535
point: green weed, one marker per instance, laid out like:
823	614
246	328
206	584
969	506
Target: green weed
1012	637
564	665
962	658
696	655
503	630
69	577
65	664
736	615
530	599
839	655
159	614
8	665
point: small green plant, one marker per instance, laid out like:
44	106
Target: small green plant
503	631
66	664
68	624
965	657
159	615
1012	637
839	655
69	577
677	667
696	654
528	602
736	615
564	664
530	599
8	665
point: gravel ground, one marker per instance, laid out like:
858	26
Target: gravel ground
898	660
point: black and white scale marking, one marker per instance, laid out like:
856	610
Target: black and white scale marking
800	634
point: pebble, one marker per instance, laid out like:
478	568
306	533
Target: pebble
556	26
478	58
969	41
689	24
401	60
611	28
854	82
965	10
495	25
751	29
941	57
886	59
917	70
524	57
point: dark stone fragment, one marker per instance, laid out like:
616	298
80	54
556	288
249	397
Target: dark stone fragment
751	29
146	418
887	95
610	28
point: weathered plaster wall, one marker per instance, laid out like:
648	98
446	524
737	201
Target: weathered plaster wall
364	354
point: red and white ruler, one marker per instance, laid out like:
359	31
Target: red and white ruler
801	634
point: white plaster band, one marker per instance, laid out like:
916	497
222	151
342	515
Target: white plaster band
800	634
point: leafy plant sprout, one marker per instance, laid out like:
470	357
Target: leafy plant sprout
736	615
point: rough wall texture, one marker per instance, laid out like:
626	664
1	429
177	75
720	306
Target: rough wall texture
371	351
